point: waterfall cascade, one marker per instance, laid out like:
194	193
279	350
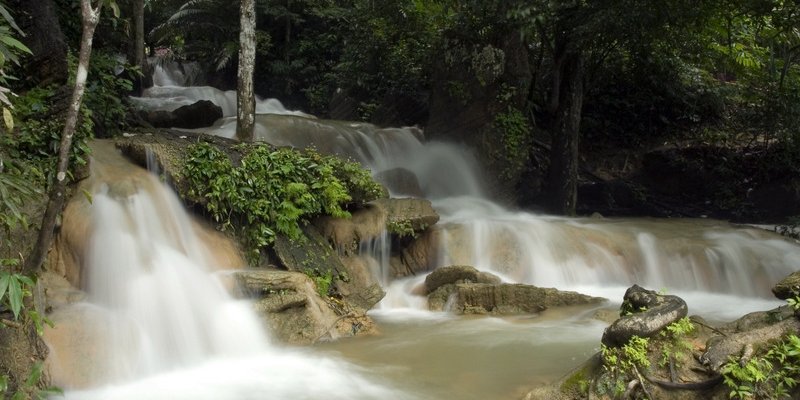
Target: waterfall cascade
174	326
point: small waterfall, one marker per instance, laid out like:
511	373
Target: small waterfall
148	268
163	325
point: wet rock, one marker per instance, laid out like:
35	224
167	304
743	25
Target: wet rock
313	254
408	215
650	313
400	180
502	299
788	287
295	312
721	349
200	114
457	274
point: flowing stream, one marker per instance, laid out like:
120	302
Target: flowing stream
179	335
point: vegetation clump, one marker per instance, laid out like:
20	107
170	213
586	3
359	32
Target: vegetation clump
272	191
770	376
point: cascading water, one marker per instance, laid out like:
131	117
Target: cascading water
722	271
168	328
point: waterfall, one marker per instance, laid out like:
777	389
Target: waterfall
164	325
683	255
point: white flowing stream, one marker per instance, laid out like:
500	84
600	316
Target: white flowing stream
180	336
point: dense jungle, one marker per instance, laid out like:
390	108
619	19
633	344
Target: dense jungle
422	199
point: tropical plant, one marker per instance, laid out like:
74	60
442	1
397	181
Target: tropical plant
269	192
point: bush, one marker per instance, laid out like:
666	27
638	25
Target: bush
272	191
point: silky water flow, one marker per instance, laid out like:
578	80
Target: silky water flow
722	270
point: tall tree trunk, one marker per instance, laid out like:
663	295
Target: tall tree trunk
138	45
90	17
562	181
246	99
48	64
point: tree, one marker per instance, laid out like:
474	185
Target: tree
90	17
44	37
246	99
138	42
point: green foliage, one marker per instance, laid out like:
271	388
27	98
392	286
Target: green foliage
402	228
515	131
108	83
620	365
772	375
13	288
36	142
322	281
676	347
29	389
270	191
16	189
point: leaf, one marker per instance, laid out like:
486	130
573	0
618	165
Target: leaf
15	43
114	8
7	16
8	119
4	278
15	296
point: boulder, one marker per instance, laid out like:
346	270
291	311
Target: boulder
408	215
649	313
289	302
788	287
353	282
722	348
200	114
457	274
400	181
502	299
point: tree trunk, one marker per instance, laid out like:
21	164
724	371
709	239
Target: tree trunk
43	36
90	17
138	44
246	99
563	174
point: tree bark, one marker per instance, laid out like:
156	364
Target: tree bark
90	17
562	181
246	99
138	44
43	36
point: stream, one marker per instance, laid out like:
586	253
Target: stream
171	330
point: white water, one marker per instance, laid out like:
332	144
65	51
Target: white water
169	327
722	271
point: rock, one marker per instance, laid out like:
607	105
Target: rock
346	234
721	349
408	215
400	181
354	282
457	274
657	311
788	287
295	312
502	299
200	114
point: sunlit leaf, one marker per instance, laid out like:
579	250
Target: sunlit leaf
8	119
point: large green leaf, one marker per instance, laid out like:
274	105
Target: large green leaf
15	295
4	278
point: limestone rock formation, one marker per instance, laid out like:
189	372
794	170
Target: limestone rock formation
465	290
295	312
788	287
